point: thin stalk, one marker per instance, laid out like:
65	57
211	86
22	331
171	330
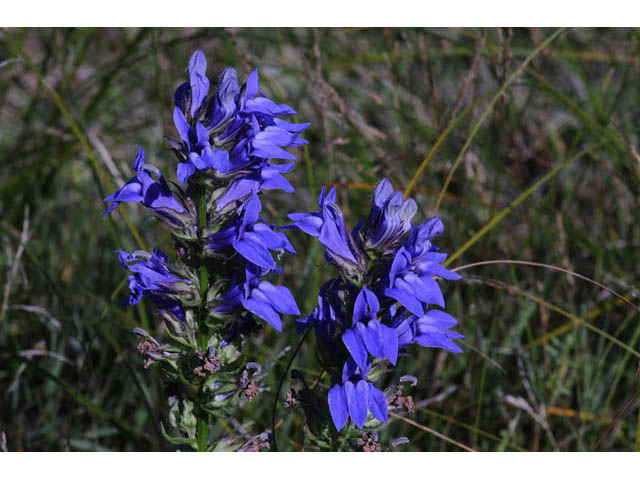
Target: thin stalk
202	425
432	432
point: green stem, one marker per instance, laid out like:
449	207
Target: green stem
203	339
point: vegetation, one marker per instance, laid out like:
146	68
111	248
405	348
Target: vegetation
523	141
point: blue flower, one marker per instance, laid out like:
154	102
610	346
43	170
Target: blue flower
250	238
429	330
201	155
389	222
354	397
410	278
328	225
268	177
368	335
261	298
152	277
152	192
191	96
198	80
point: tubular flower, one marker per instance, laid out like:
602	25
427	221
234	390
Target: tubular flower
389	222
250	238
151	276
152	192
354	397
329	226
261	298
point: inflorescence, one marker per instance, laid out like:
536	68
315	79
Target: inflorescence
230	141
384	298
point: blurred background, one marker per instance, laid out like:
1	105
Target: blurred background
522	142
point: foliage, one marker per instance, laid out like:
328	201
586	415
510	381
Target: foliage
543	170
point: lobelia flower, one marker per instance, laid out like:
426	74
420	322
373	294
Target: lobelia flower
368	335
250	238
261	298
201	155
389	222
152	192
231	146
355	396
152	277
429	330
410	279
328	225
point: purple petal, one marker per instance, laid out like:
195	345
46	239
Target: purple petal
406	299
357	401
333	233
434	268
272	240
280	297
309	223
264	311
237	190
290	127
253	85
267	107
273	180
356	347
391	344
433	337
202	134
366	305
377	403
338	406
251	210
440	318
182	126
425	289
255	252
383	191
185	170
372	336
139	161
198	80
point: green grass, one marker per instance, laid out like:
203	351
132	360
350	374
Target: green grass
523	142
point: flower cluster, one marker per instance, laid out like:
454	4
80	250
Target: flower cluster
230	145
228	141
384	299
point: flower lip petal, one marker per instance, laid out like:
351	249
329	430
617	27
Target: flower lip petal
373	337
263	310
356	347
255	252
338	406
280	297
357	401
183	127
377	403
